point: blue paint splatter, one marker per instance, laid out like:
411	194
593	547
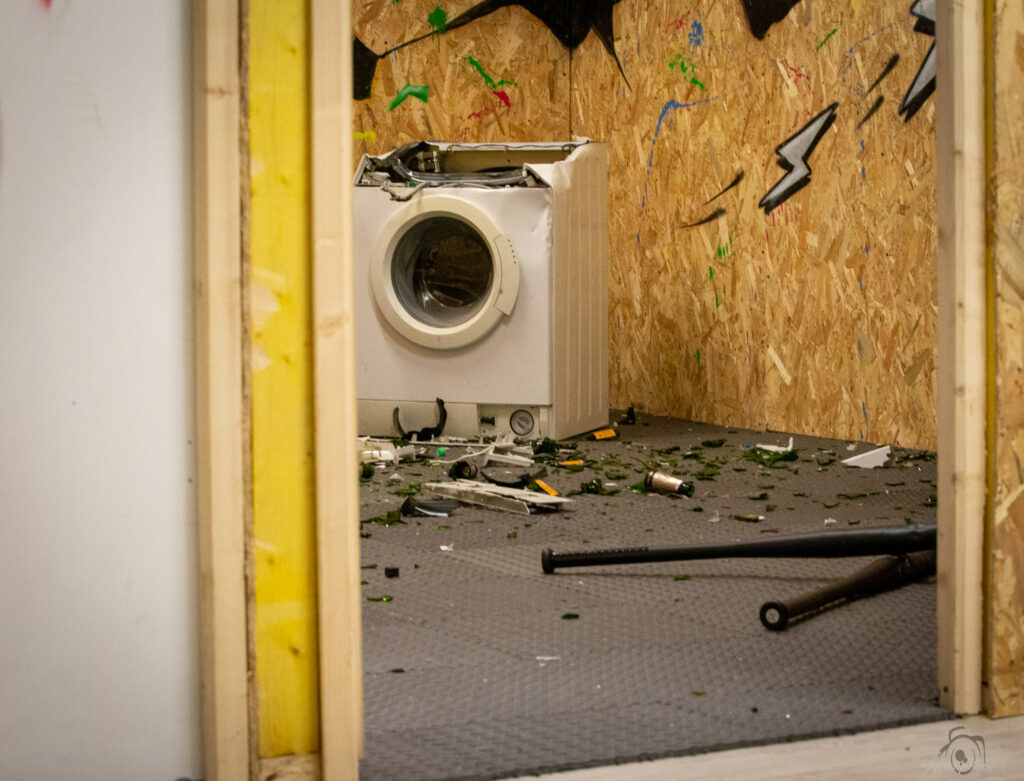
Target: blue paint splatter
696	34
862	145
671	105
863	173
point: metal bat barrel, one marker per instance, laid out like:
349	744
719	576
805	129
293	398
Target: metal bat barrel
860	542
883	574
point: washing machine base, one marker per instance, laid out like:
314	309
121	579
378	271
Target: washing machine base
529	421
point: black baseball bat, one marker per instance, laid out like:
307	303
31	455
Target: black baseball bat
860	542
882	574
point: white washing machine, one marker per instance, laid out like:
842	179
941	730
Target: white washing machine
481	281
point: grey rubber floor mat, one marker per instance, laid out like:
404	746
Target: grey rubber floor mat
475	669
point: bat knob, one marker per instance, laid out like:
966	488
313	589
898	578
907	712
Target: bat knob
774	616
546	561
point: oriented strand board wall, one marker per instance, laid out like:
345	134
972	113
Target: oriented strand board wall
500	78
1005	649
818	317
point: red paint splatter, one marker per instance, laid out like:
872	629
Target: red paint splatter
47	3
477	115
797	73
679	23
503	97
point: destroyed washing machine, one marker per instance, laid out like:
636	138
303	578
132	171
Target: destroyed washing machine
481	280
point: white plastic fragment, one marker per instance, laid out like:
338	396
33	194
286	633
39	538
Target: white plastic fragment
448	547
831	521
776	448
383	451
870	459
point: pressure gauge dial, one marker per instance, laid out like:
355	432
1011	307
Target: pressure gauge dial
521	422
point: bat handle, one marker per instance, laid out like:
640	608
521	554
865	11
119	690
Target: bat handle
883	574
774	615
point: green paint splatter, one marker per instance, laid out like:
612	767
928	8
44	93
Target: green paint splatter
685	66
698	359
833	32
415	90
438	20
711	272
716	300
726	248
490	82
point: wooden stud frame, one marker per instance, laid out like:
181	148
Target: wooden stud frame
337	490
962	374
220	407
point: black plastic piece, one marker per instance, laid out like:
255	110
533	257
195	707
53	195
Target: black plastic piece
424	434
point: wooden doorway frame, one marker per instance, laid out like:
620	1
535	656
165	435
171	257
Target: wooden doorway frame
964	378
221	410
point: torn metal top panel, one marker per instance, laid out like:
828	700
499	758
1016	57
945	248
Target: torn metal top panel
445	164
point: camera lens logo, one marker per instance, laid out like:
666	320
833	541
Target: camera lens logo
963	751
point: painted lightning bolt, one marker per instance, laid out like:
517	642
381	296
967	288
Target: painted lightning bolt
924	82
793	154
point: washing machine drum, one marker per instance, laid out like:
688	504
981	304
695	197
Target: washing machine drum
443	274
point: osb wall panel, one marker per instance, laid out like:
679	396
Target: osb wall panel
1005	648
499	78
818	317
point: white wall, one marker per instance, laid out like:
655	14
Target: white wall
98	627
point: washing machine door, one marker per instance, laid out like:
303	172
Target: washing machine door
443	274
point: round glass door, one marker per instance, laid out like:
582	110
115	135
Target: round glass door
442	271
443	275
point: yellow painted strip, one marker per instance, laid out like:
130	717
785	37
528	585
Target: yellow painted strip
605	433
282	414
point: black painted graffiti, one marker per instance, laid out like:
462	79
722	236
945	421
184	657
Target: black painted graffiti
569	22
762	14
720	212
871	111
885	72
792	156
713	216
724	190
880	99
364	66
923	84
